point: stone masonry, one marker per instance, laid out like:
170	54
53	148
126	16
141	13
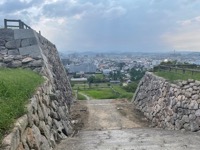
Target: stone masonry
167	105
47	120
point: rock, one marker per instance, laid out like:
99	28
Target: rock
195	97
20	146
178	124
13	44
44	129
2	48
36	63
185	119
2	42
61	113
27	60
194	126
7	34
187	126
193	105
4	52
44	144
22	123
28	42
13	52
40	113
12	140
192	117
31	140
15	64
8	59
197	113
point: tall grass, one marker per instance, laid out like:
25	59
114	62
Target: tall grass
172	76
16	87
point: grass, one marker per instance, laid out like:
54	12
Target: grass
100	93
16	87
81	97
123	93
106	92
172	76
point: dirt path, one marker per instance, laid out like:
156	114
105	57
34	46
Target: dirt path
106	114
117	125
111	114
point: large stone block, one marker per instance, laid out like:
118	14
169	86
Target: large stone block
29	42
33	51
13	44
6	34
23	34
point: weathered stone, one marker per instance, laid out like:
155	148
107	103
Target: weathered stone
20	146
15	64
197	113
12	140
36	63
195	97
192	117
7	34
22	123
187	126
32	51
193	105
31	139
44	144
4	52
28	42
7	59
2	42
178	124
34	103
27	60
40	113
13	52
194	126
35	119
2	48
13	44
185	118
23	34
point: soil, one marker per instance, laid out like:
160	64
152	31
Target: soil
106	114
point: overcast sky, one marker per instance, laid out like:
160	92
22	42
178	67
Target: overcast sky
111	25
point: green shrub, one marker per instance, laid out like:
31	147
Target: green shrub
131	87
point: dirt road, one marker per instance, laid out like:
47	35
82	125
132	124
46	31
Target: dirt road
117	125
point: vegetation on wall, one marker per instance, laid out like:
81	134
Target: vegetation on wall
16	87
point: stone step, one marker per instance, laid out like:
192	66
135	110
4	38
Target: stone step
132	139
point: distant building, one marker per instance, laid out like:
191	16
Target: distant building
85	67
106	71
79	79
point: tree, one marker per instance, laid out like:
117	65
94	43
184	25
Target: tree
136	74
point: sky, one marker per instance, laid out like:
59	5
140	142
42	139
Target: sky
111	25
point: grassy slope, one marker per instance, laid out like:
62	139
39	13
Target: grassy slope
16	86
172	76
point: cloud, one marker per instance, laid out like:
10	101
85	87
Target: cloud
186	36
102	25
115	12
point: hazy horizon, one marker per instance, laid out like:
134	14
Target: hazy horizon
111	25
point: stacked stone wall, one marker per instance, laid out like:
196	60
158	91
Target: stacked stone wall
47	120
167	105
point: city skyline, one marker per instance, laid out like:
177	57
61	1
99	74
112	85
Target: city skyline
111	25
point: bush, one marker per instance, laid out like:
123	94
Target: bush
131	87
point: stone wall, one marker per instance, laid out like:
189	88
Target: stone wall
167	105
47	120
